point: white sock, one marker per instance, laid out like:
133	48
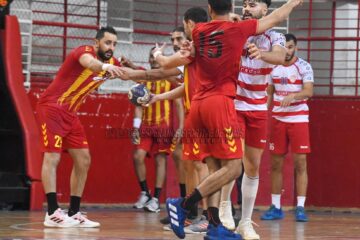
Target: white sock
301	201
275	200
249	190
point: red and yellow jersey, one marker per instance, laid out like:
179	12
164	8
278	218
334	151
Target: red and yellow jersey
73	82
158	113
189	83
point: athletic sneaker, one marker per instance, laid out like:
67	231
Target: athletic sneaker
225	215
247	231
220	232
198	227
300	215
84	222
143	199
187	223
60	219
177	215
273	213
152	205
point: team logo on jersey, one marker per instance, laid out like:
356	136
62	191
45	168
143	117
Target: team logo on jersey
292	78
196	148
283	80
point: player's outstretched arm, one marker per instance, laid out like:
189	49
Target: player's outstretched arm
148	75
171	95
88	61
277	16
173	61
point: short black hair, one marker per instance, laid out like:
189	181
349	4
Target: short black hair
290	36
196	14
267	2
221	7
150	52
101	32
179	29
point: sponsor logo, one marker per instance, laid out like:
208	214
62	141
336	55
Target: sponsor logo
304	147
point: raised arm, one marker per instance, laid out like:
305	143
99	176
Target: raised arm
277	16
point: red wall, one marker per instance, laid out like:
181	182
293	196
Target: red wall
334	177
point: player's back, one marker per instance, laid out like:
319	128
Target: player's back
219	47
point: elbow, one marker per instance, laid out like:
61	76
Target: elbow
310	93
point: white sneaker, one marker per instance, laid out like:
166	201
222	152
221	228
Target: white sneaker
167	227
60	219
225	215
246	230
84	222
143	199
152	205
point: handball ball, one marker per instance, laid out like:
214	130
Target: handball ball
139	94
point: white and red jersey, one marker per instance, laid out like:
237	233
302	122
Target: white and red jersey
287	80
254	74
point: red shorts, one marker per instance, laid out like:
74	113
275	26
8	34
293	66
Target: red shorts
254	124
282	133
60	129
194	149
214	122
155	138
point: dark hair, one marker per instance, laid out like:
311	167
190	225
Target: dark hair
267	2
196	14
179	29
100	34
221	7
290	36
150	52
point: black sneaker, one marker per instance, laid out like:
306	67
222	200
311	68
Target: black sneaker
165	220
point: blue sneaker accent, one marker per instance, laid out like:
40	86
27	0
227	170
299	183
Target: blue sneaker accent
177	216
273	213
300	215
221	233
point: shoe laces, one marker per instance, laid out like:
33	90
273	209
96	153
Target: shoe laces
248	226
60	214
78	215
